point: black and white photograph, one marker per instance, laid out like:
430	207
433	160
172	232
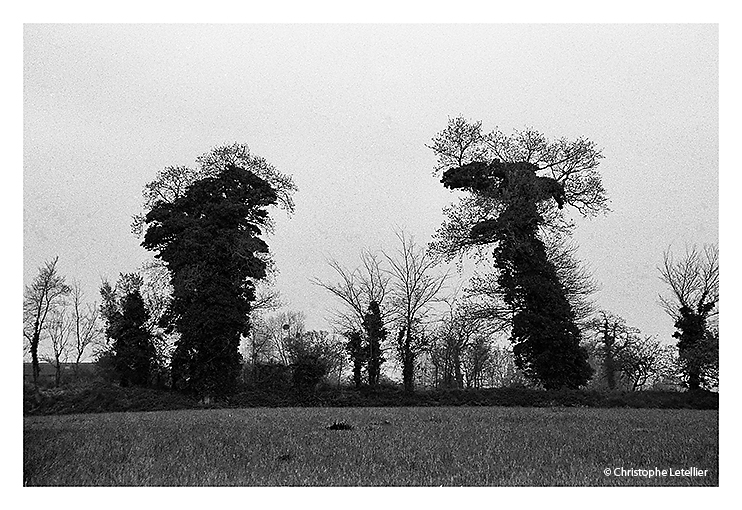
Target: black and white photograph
370	255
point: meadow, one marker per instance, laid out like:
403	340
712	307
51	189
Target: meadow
401	446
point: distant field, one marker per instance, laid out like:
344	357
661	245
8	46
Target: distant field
452	446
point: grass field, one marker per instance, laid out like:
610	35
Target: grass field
451	446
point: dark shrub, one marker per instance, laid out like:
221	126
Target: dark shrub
307	372
272	376
105	366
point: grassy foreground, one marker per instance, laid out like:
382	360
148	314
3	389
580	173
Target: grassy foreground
452	446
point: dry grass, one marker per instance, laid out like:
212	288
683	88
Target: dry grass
454	446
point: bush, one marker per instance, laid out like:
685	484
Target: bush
105	366
102	398
308	371
271	376
92	398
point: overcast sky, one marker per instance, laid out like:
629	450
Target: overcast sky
347	110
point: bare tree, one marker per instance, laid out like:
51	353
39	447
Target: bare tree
477	358
45	294
693	281
642	360
58	328
279	329
693	304
451	341
414	288
84	324
613	336
359	290
502	371
256	346
628	359
356	289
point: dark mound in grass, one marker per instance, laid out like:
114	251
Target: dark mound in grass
340	425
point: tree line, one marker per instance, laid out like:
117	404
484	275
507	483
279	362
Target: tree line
198	317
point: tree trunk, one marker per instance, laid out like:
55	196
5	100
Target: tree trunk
57	374
610	371
35	357
407	375
408	365
694	381
457	370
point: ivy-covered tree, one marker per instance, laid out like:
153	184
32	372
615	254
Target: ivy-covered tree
375	335
209	239
516	189
358	355
693	304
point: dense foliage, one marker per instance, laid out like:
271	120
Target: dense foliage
358	355
545	337
209	240
376	335
516	188
131	353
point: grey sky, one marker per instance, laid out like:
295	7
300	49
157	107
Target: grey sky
347	110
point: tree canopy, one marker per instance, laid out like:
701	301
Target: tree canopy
517	187
173	182
570	164
209	240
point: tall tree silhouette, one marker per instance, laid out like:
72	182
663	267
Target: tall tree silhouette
131	344
545	337
375	335
209	239
517	187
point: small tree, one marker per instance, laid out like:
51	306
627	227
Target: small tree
414	287
613	336
45	294
376	335
85	327
477	358
357	289
312	357
132	350
280	329
693	304
58	331
358	355
642	360
452	339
